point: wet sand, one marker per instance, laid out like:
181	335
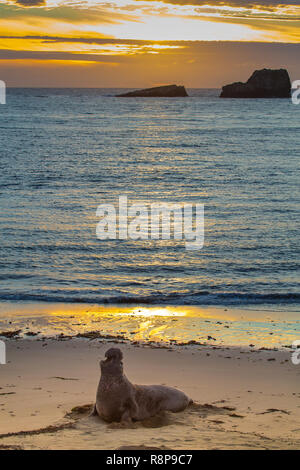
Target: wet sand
173	324
245	398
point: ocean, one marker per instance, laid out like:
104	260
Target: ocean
65	151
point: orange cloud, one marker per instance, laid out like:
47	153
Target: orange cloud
195	64
161	40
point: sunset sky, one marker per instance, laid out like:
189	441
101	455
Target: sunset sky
136	43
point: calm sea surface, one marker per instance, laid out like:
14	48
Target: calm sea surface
64	152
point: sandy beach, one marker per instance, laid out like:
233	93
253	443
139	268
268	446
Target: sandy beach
244	399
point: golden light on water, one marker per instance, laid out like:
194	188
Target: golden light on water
157	324
90	314
156	312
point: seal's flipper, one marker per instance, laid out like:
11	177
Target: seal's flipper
94	411
132	408
126	417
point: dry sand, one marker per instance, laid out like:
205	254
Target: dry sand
244	399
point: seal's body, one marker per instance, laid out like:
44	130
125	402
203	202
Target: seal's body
119	400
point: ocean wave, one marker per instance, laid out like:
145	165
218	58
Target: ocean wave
174	298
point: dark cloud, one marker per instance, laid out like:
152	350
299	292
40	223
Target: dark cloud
226	45
6	54
72	14
210	49
30	3
93	40
247	4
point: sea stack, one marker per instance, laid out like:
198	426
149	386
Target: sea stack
265	83
168	91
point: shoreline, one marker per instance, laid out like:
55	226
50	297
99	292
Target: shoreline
243	398
165	324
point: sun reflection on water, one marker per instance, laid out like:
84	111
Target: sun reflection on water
159	324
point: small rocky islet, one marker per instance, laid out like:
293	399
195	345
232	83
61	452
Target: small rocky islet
167	91
265	83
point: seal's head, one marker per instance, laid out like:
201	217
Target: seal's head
114	353
113	364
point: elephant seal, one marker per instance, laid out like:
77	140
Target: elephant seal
118	399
